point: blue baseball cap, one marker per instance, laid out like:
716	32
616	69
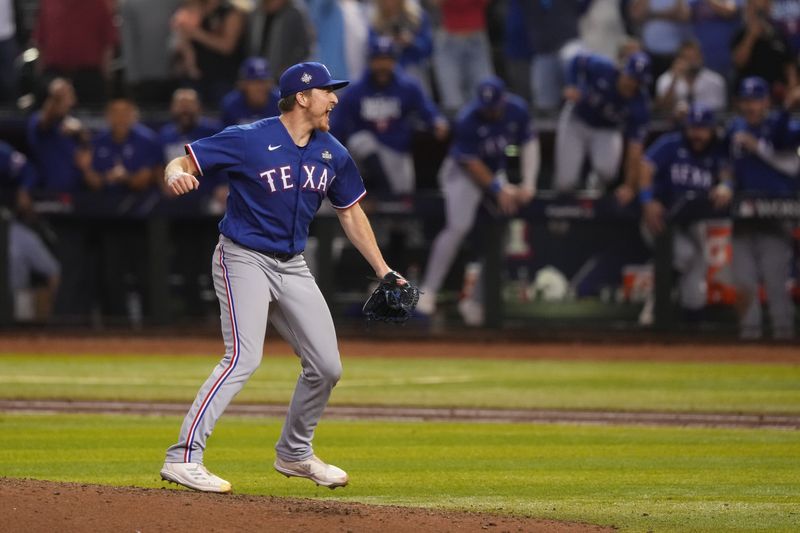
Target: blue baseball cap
700	116
637	66
304	76
490	92
255	68
382	47
754	88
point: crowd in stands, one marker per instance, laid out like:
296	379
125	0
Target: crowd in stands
602	69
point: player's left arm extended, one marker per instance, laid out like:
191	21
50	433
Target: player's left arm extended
359	231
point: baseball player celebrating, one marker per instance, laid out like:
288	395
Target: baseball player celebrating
476	166
681	165
602	100
279	170
765	163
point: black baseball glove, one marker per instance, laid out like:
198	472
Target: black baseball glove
392	301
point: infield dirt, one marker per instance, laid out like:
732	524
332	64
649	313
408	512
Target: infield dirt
45	506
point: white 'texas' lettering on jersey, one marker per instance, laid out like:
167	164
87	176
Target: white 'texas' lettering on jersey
281	179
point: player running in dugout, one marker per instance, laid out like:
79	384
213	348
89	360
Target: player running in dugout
604	105
474	168
763	147
679	166
375	120
279	169
255	96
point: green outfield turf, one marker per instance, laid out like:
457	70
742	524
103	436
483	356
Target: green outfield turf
766	388
640	479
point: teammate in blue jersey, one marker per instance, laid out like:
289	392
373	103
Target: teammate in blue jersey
375	119
476	167
604	105
255	96
188	124
763	147
280	170
680	166
59	144
127	153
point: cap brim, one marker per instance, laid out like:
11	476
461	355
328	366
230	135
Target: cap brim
336	84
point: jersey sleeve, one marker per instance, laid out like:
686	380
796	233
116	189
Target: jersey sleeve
223	151
638	120
347	187
658	154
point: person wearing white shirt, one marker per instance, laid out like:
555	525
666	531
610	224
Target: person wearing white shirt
689	82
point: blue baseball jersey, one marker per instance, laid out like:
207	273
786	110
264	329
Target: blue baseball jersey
679	170
478	137
600	105
276	187
53	153
235	111
139	150
753	173
385	111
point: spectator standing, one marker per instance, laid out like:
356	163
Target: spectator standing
409	27
375	120
713	24
689	82
517	50
211	44
255	97
76	40
127	153
761	50
551	25
342	30
462	54
786	14
603	104
280	32
765	163
602	29
475	168
663	26
59	144
146	35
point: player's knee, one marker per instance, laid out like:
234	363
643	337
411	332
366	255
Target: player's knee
325	372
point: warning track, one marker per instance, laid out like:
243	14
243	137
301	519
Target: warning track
546	416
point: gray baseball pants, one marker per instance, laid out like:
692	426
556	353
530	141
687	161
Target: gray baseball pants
763	256
252	288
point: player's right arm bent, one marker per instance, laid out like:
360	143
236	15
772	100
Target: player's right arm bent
179	175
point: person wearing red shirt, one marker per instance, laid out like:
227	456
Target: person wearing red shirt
461	52
76	40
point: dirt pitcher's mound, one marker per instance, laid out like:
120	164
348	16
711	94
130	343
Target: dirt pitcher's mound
33	506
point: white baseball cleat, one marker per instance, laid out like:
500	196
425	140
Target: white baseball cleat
314	469
194	476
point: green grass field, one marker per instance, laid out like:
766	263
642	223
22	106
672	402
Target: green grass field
637	478
640	479
764	388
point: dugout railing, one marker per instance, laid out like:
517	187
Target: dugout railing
155	220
